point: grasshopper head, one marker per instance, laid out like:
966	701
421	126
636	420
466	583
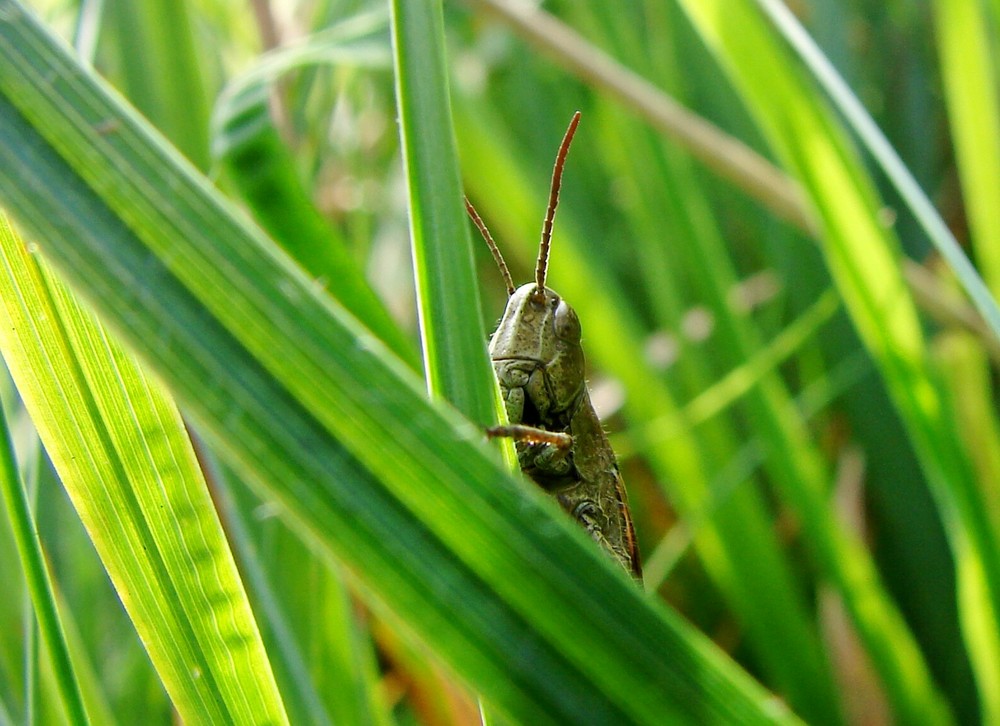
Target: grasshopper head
539	334
537	347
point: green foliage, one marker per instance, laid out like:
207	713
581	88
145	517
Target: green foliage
801	398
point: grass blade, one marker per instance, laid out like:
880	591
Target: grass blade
970	81
864	260
32	560
124	457
455	363
887	157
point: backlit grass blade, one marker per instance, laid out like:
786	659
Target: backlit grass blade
966	48
122	452
882	150
864	260
32	561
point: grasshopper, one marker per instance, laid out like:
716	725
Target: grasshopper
539	363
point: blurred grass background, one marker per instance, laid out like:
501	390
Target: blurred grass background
722	360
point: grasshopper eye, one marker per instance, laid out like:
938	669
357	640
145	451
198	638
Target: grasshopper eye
567	325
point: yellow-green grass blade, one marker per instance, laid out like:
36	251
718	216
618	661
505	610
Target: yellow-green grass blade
122	452
896	171
29	548
966	48
967	378
305	403
950	473
864	260
969	384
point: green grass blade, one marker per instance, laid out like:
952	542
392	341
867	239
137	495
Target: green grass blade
864	260
931	422
966	42
301	400
887	157
32	560
257	162
95	695
447	292
966	48
148	37
124	458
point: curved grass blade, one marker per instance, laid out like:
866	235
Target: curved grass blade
864	260
123	455
888	159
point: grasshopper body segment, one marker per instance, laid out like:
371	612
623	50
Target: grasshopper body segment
539	363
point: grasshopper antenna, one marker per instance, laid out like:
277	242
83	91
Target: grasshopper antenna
543	249
497	257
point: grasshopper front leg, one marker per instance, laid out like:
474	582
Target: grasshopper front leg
554	456
531	435
575	498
